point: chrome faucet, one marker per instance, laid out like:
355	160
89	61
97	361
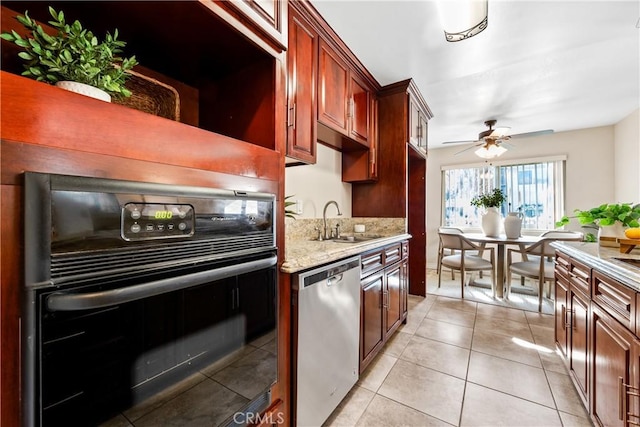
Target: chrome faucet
326	232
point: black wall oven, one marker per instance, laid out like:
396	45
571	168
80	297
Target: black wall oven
146	304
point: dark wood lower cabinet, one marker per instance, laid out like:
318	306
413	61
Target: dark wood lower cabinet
383	298
562	329
594	330
393	277
615	371
578	366
371	332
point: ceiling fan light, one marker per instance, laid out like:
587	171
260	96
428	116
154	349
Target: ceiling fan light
490	151
462	19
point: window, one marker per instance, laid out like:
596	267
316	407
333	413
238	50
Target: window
533	187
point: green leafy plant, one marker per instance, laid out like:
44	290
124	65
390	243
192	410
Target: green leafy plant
493	199
288	213
606	214
74	54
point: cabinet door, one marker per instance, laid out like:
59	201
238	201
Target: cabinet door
423	127
359	110
371	331
579	340
269	16
562	331
418	125
333	86
302	58
404	288
362	165
611	359
392	294
373	140
414	121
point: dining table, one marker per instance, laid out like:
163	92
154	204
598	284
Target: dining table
501	242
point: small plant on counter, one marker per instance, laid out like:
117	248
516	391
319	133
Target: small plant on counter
493	199
73	54
288	213
606	214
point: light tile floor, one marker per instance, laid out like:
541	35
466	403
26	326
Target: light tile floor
465	363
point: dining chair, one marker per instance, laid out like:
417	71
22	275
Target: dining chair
537	261
451	230
466	256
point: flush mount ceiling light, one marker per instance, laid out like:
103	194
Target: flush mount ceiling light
462	19
490	151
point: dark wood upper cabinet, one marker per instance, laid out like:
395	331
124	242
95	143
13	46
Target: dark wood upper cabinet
360	165
302	66
419	116
333	89
268	18
360	110
344	100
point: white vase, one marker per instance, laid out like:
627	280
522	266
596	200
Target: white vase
513	225
608	235
491	221
85	89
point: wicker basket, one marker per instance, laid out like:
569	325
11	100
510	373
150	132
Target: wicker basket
151	96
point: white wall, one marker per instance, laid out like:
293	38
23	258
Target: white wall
626	134
315	185
589	171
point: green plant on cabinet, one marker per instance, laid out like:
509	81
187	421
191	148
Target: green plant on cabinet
73	54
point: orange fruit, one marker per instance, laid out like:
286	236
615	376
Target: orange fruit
632	233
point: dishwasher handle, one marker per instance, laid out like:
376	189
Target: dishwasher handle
329	272
335	279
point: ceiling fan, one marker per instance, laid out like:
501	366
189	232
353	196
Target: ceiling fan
491	139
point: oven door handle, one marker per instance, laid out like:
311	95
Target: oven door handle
64	301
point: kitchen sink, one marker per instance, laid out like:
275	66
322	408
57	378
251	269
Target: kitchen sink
354	239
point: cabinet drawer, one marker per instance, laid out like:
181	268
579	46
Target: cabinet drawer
392	254
371	262
580	277
563	264
617	299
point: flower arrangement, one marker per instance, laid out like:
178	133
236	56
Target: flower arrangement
493	199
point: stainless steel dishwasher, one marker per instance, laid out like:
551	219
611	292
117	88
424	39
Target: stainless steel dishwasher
328	304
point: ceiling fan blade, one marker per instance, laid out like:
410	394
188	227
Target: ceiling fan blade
536	133
501	131
460	142
506	144
468	148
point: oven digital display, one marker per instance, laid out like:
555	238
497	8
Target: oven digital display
163	214
146	221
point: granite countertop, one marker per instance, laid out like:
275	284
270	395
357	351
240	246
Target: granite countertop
604	259
301	254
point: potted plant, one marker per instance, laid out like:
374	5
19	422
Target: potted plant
611	219
74	54
288	213
491	218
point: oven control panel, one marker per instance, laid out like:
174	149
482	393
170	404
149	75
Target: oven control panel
146	221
